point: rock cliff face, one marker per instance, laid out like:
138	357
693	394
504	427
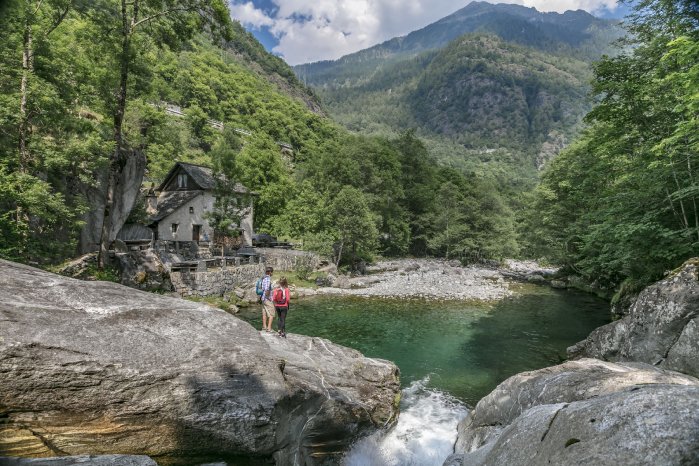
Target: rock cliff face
585	412
98	368
661	328
589	411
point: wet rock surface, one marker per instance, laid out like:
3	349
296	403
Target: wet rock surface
585	412
98	368
661	327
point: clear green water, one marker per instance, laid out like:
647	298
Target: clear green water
465	349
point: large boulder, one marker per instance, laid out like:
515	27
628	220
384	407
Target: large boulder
661	328
83	460
585	412
99	368
143	270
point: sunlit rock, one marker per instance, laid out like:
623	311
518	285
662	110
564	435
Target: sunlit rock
585	412
661	328
97	368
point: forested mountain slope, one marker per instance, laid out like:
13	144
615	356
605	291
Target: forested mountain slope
495	89
573	33
270	67
79	105
86	121
478	92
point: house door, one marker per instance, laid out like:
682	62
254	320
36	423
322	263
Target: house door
196	230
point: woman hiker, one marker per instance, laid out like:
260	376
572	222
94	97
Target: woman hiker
281	305
267	305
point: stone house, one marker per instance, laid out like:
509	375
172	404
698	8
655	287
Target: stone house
178	207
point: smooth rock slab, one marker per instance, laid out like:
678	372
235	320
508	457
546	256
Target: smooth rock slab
585	412
662	327
98	368
83	460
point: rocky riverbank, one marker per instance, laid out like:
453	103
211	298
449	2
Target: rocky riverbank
98	368
436	279
642	409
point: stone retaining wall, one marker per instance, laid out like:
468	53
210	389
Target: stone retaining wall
215	283
288	259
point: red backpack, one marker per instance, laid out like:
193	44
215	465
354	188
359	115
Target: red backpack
279	297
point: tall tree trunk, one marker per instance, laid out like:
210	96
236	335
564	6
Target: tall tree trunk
27	69
682	209
117	161
694	198
339	253
24	129
448	239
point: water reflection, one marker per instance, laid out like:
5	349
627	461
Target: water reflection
465	349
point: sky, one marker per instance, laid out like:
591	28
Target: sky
303	31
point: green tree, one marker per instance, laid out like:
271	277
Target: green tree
140	24
232	202
262	170
621	203
354	226
48	145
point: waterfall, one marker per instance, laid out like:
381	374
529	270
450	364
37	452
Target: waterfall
424	435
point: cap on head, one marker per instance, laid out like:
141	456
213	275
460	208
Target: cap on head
269	270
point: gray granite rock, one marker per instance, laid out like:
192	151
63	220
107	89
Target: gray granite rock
585	412
82	460
96	367
661	328
142	270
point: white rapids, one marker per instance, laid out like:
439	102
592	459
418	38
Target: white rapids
424	435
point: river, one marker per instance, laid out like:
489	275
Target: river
450	354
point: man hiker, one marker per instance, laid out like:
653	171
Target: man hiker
267	304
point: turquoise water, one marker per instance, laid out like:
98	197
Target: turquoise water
462	349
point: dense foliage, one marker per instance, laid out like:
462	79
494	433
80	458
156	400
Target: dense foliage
80	102
493	89
621	205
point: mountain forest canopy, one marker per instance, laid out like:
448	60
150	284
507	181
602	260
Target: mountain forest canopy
84	119
493	89
621	205
438	150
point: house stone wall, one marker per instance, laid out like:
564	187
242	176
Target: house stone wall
288	259
201	204
216	283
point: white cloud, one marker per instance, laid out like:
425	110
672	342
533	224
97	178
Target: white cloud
562	5
247	14
313	30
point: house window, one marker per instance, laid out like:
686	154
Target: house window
174	228
191	210
182	181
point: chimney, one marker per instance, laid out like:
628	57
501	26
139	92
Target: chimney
151	202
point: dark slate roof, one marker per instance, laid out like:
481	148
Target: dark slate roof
135	232
202	176
170	201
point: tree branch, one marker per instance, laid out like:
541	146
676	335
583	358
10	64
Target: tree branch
159	14
59	19
38	7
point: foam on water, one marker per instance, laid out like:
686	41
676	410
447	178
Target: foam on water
424	435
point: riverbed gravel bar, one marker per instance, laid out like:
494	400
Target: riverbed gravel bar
432	279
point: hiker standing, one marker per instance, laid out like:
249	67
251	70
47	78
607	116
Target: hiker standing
267	305
281	305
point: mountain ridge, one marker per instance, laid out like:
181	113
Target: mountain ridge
573	32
